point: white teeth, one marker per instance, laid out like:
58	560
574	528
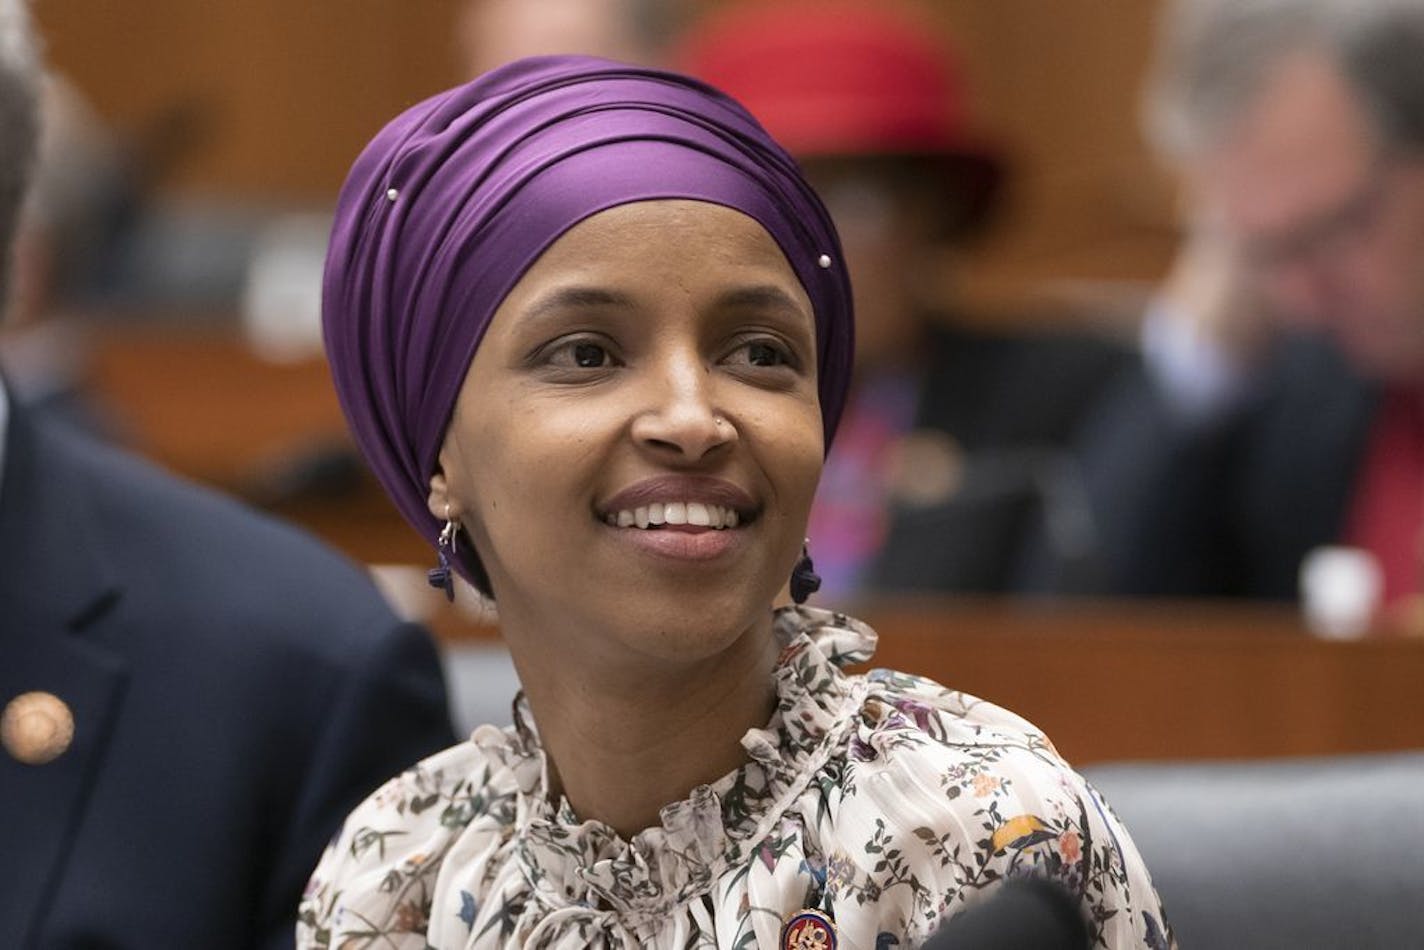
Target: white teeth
696	513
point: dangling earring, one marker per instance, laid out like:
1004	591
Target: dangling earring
804	579
443	576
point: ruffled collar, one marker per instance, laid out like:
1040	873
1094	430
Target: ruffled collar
573	863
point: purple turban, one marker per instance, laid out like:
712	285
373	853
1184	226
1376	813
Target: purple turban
452	202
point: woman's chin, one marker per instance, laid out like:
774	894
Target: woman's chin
679	625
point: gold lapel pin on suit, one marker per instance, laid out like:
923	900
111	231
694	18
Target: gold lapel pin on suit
36	728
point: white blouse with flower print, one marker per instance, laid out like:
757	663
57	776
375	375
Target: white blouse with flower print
884	801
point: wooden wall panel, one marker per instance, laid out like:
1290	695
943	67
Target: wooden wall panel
294	89
1059	85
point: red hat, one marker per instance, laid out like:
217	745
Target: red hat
845	78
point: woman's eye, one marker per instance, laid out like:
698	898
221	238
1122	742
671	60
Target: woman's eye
579	354
764	353
588	355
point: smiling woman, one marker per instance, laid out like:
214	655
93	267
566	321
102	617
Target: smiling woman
589	325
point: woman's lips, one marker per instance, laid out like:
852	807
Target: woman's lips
675	515
682	517
682	542
696	500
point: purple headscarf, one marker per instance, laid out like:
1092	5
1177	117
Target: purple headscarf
452	202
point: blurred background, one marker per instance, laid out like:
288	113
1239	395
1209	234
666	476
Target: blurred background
225	113
169	297
194	149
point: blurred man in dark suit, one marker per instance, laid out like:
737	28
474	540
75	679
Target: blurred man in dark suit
192	696
1281	404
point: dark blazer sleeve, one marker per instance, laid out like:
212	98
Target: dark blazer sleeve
386	712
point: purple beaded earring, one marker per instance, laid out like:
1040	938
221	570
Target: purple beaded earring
442	577
804	579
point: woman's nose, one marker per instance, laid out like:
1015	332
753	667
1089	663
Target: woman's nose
681	417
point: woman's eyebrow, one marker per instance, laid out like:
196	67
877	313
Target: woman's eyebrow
574	298
561	300
762	296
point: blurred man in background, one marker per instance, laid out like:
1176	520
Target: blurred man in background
950	458
78	210
1282	403
192	696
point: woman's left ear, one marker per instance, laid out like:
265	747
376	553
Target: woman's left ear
438	500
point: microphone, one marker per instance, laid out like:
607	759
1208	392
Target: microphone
1024	914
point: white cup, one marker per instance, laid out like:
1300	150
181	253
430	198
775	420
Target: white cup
1340	591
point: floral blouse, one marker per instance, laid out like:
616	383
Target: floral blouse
885	802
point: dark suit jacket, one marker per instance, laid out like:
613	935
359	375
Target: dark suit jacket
1013	403
1231	509
236	689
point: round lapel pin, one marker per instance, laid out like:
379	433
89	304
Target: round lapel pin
809	930
36	728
